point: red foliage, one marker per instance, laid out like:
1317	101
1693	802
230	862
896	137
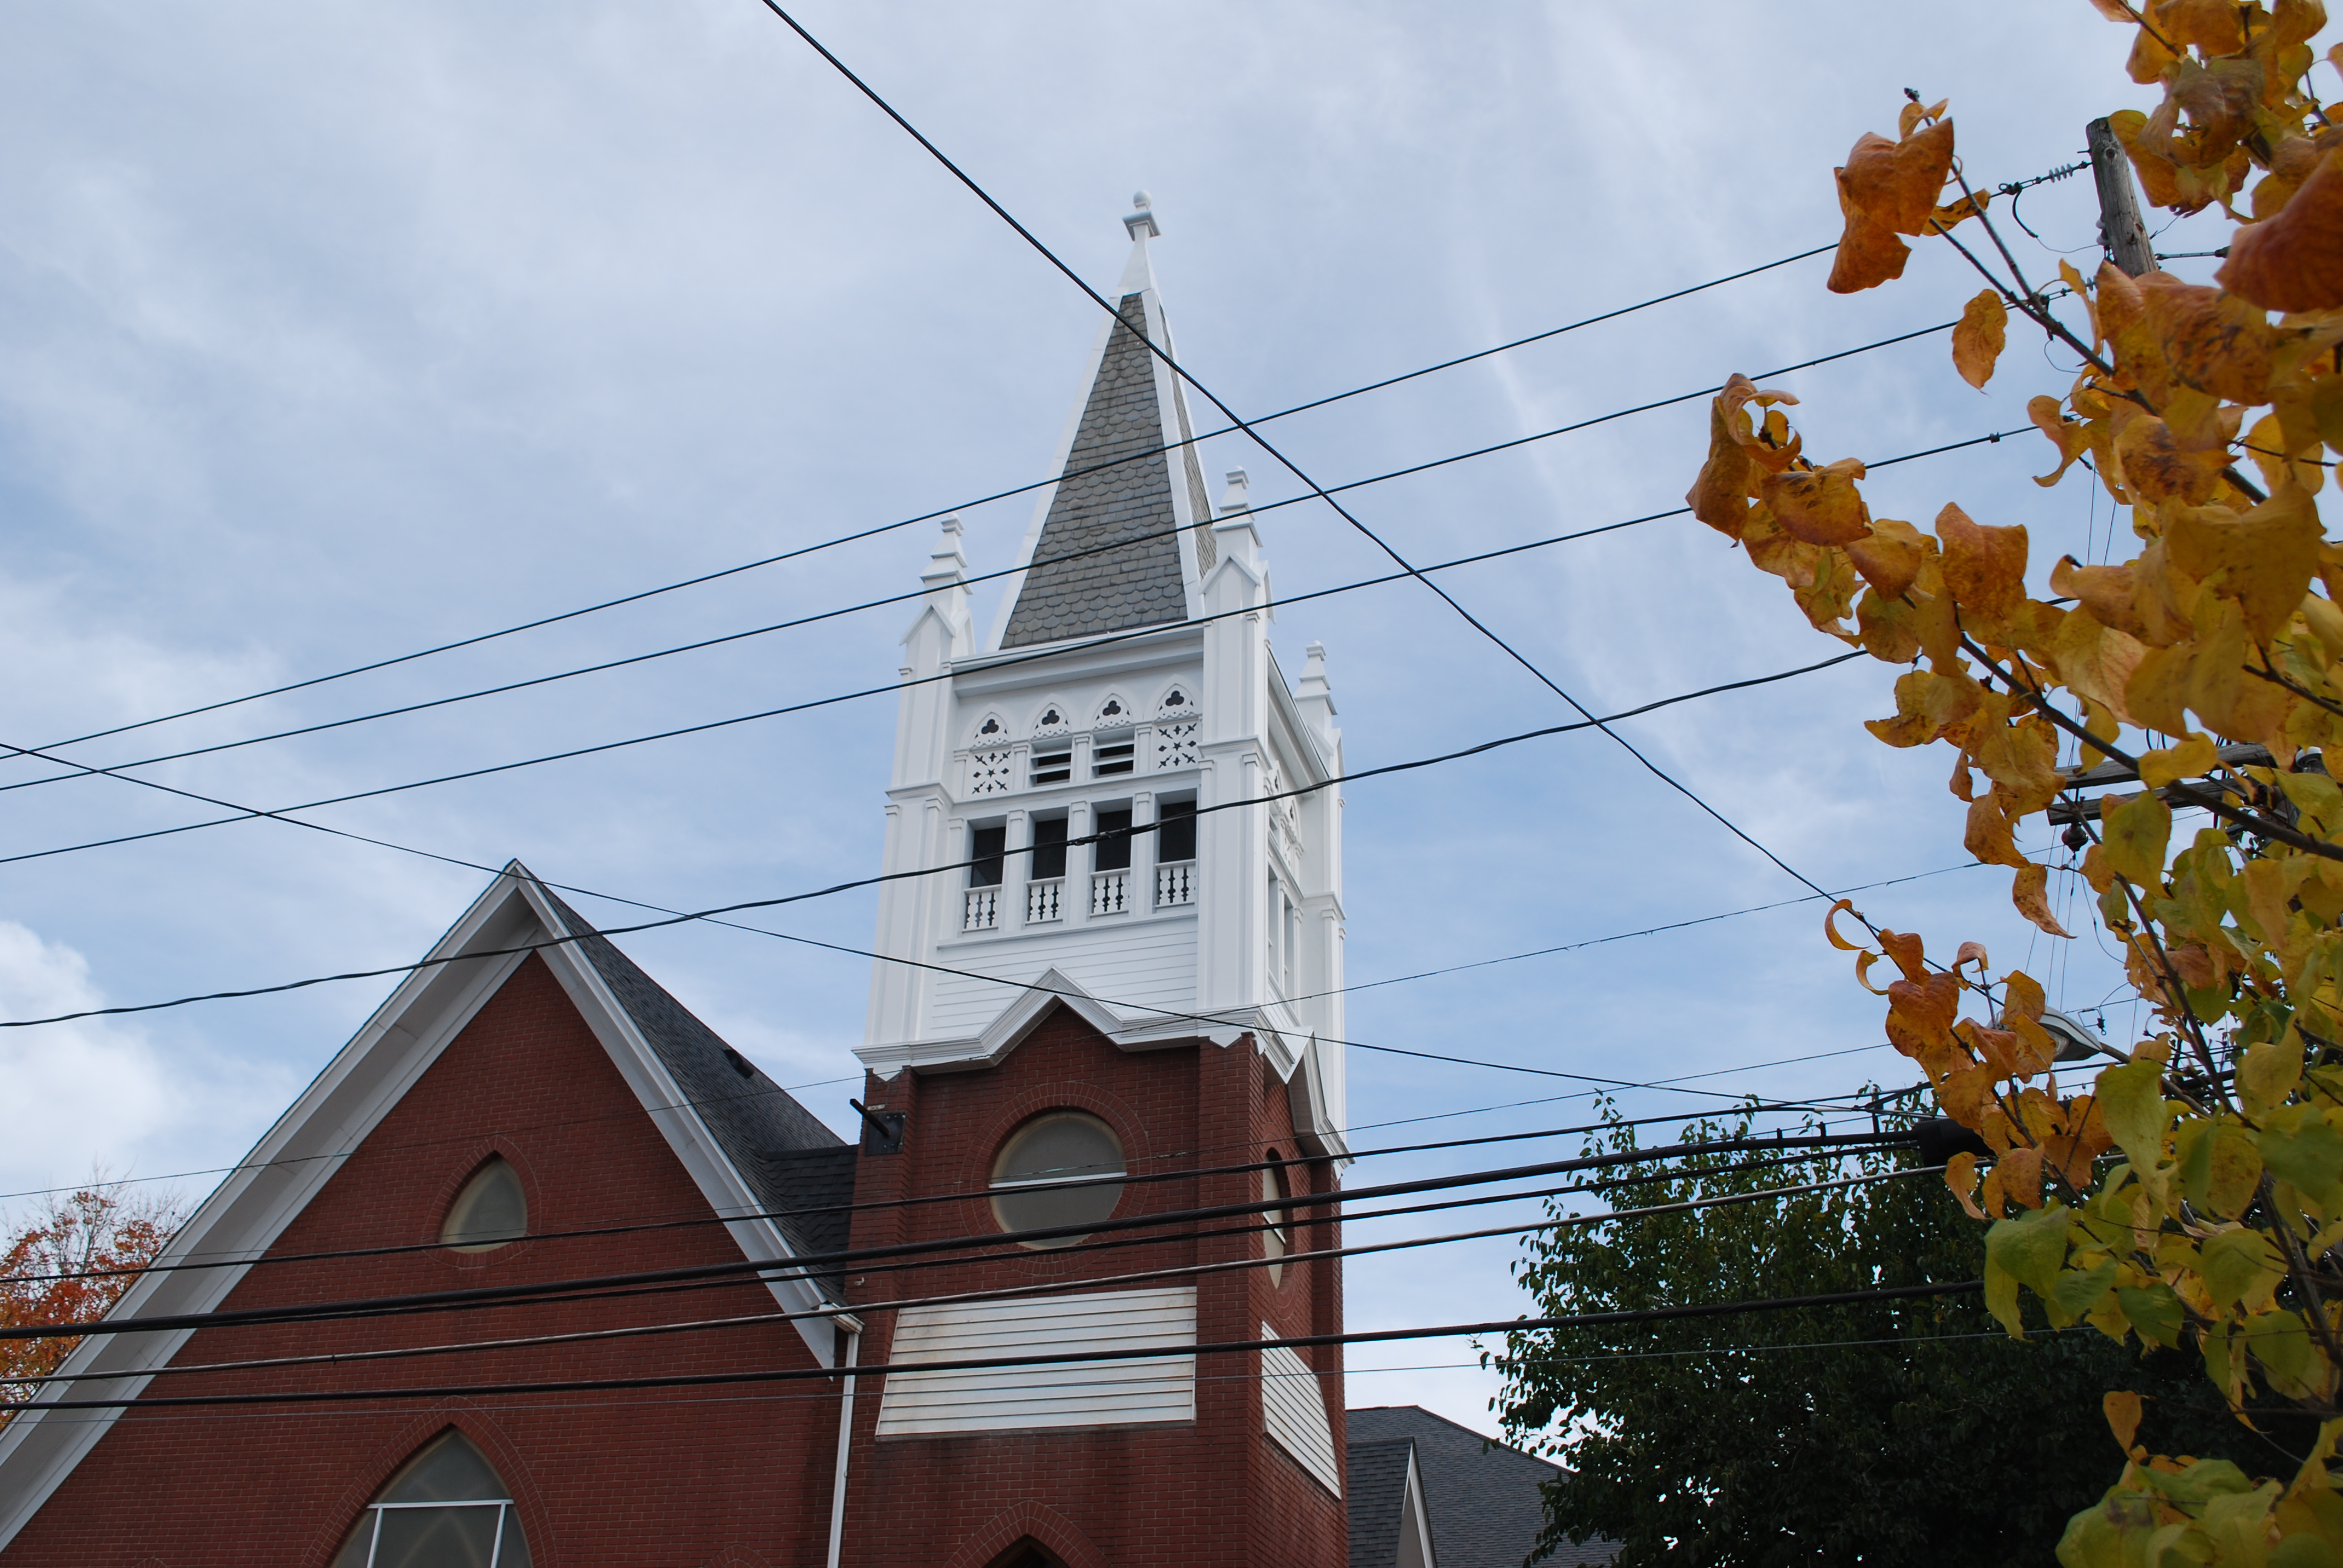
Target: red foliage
70	1264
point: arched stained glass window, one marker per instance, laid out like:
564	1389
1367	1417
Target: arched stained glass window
491	1212
446	1508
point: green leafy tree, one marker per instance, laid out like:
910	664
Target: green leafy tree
1914	1432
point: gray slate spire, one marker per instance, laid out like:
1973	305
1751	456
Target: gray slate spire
1141	580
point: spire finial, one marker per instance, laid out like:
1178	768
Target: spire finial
1141	217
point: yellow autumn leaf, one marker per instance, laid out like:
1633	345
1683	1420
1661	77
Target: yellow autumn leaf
1985	566
2265	558
2294	261
2136	833
2123	1411
1979	337
1818	505
2193	757
2030	891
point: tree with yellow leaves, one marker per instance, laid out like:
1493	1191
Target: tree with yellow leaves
2193	1194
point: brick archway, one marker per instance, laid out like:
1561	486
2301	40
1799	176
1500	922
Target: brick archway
1028	1536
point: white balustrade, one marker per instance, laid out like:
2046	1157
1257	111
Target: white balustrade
1175	883
982	911
1110	892
1045	901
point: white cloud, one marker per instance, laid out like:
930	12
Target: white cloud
95	1093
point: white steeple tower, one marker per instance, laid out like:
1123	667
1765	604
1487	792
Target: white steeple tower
1128	684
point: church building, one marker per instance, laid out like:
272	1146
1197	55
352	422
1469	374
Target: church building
540	1273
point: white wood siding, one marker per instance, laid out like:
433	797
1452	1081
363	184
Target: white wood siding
1079	1393
1130	965
1293	1412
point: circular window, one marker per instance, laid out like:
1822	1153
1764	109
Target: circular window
491	1212
1058	1170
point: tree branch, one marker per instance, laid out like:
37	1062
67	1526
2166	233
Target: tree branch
2267	828
2274	678
2032	306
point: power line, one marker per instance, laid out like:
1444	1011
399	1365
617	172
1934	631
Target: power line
1161	353
1020	1290
958	1195
1120	1380
1658	1084
862	533
82	770
281	813
1458	755
1880	1295
1293	1206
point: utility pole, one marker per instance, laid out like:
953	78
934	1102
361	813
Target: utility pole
2121	229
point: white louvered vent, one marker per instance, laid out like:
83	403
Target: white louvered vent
1079	1393
1293	1412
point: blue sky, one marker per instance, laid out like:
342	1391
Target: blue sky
328	332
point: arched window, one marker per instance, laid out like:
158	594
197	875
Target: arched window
1275	1242
491	1212
446	1508
1029	1179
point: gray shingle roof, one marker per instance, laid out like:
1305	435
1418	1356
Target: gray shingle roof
799	1170
1139	583
1481	1496
1376	1498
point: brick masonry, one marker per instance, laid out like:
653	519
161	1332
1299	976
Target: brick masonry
1213	1490
657	1476
734	1475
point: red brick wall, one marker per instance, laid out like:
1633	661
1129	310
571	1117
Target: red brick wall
1215	1490
665	1477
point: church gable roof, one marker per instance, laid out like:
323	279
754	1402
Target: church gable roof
795	1165
1377	1500
1483	1500
748	1148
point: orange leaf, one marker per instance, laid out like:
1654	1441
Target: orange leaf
1979	337
2156	467
1989	837
2030	892
1890	559
1965	1093
1869	253
2212	341
1830	926
2108	592
2020	1171
1984	567
1929	1004
1908	950
2211	25
1960	1175
2071	439
1720	496
1897	183
2021	996
1863	963
2294	261
1818	505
